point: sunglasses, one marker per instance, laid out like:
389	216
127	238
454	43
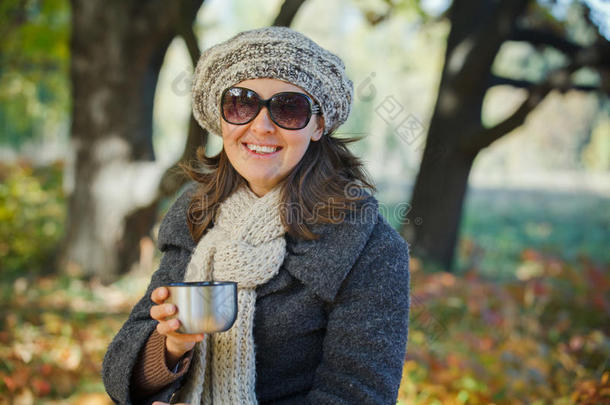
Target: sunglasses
288	110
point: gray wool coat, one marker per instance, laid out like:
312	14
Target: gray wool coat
330	328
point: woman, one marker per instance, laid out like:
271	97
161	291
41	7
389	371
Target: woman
283	210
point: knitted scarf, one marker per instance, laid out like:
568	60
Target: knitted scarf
246	245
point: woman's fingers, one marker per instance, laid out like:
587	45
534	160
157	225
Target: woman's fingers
169	328
160	312
186	337
159	295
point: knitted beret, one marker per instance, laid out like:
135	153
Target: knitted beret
271	52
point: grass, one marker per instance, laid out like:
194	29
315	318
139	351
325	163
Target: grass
498	225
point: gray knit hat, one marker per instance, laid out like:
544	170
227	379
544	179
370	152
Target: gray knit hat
271	52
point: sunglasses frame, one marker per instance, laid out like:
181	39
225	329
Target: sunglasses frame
313	107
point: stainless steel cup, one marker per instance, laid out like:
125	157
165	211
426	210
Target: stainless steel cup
204	306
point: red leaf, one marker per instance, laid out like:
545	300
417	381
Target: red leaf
10	382
41	387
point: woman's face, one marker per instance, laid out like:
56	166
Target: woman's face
263	171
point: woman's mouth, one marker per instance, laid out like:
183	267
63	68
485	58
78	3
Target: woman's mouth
262	149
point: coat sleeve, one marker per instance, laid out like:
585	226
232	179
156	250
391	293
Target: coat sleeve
366	336
123	351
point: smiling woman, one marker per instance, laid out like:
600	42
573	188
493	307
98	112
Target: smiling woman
285	211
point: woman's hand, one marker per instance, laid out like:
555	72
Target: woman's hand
176	344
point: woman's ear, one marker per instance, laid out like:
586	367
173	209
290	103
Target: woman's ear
319	131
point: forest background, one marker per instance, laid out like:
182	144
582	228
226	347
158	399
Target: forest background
513	309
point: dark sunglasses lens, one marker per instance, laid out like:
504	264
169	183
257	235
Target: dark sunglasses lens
290	110
239	105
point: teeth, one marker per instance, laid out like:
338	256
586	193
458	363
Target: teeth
261	148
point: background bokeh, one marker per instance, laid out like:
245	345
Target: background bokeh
522	314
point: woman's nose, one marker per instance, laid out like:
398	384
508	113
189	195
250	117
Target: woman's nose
262	122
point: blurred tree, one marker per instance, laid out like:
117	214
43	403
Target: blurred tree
117	53
456	133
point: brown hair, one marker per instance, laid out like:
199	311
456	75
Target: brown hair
322	188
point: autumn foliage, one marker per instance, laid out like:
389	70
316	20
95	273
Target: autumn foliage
544	338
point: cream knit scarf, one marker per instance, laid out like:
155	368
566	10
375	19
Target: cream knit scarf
245	245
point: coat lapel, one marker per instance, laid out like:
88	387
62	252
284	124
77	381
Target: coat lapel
323	264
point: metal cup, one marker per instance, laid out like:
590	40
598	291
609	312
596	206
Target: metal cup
204	306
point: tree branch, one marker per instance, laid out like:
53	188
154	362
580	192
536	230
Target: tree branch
185	30
487	136
559	79
287	12
526	84
173	177
539	37
596	55
495	80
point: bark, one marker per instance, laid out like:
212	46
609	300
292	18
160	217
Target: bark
117	49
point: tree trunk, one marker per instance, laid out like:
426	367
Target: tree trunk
117	51
437	202
478	28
